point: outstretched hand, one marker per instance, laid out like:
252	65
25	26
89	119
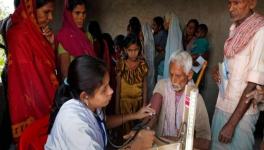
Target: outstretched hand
145	112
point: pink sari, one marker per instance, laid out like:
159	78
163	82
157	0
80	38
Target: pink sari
73	39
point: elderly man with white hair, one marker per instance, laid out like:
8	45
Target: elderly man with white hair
168	102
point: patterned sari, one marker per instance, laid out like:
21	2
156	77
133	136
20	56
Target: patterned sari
31	69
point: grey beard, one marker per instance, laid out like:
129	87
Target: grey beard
177	87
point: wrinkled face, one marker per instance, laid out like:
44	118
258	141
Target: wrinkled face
190	29
240	9
178	77
78	15
132	51
102	95
44	14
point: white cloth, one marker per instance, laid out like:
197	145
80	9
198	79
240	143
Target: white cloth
174	43
246	66
75	128
149	52
172	107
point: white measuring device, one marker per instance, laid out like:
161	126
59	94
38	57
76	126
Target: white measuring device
191	113
188	122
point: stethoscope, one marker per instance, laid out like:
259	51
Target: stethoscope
137	128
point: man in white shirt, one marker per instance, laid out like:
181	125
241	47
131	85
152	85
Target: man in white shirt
234	120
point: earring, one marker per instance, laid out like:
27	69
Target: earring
87	104
86	98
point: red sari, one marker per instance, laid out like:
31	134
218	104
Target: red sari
31	69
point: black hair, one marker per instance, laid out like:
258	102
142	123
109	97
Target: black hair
203	27
134	25
159	21
73	3
132	39
40	3
85	73
16	3
194	21
95	30
119	40
108	38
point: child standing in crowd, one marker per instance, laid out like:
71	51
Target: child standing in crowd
201	44
131	91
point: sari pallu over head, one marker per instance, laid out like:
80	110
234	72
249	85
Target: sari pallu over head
73	39
31	69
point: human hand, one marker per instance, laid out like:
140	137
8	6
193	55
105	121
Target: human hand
215	74
47	32
256	96
145	112
143	140
226	134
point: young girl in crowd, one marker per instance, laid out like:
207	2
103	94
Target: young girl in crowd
77	121
131	91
